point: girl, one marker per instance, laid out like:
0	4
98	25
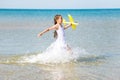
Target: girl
58	34
58	51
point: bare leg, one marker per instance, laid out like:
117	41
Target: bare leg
69	49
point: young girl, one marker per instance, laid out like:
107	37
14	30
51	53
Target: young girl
58	34
58	51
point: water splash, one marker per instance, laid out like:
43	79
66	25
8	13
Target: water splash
55	56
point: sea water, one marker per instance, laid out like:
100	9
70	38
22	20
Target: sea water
95	43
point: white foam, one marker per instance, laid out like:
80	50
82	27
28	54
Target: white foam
55	56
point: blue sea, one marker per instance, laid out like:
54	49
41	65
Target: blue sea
98	34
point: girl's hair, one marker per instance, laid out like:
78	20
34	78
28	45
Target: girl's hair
55	22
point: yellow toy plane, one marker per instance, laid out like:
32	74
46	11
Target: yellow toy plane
71	21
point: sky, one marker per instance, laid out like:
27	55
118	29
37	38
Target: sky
59	4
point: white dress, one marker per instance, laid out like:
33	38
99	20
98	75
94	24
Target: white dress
60	43
57	52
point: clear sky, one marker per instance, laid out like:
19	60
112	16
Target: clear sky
59	4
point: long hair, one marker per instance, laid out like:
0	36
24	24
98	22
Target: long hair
55	22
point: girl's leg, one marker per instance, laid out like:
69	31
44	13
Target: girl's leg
69	49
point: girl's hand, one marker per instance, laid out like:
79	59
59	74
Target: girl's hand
70	24
40	34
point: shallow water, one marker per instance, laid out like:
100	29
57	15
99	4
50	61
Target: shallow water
94	67
97	34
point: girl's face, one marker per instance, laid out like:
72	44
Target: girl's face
60	20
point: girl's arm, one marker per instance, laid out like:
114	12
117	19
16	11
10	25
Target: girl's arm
67	26
48	29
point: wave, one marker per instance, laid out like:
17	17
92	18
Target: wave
78	55
61	56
